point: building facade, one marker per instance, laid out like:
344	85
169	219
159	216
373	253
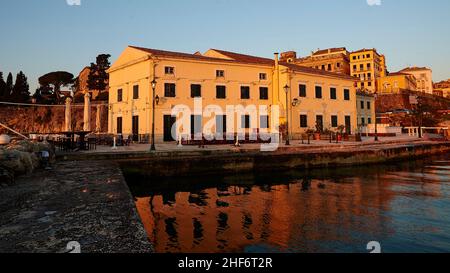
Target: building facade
396	82
423	76
218	79
442	88
367	65
365	105
333	60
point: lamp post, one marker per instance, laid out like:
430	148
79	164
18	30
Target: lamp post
33	101
376	117
153	148
286	89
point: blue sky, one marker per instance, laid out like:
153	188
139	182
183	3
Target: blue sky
39	36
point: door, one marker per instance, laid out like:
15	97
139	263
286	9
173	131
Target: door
319	123
169	121
348	125
135	128
196	126
221	125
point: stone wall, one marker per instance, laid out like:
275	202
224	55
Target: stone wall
46	119
391	102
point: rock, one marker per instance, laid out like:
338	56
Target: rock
6	176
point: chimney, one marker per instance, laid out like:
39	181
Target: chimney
276	58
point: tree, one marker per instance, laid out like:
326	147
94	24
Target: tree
2	87
56	80
98	77
9	87
21	89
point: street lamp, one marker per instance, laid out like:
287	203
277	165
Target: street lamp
286	89
153	148
33	101
376	117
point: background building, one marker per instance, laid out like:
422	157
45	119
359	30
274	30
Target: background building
367	65
442	88
423	76
396	82
332	60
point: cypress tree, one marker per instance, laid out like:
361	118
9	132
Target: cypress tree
9	87
2	87
21	90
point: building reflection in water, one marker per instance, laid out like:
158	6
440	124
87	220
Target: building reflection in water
309	214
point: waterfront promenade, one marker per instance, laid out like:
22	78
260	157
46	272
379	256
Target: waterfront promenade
88	202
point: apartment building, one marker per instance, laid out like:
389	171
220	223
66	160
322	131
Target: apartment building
367	65
219	79
423	76
396	82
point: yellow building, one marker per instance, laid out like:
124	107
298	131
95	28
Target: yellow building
218	79
367	65
396	82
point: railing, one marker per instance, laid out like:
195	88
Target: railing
12	130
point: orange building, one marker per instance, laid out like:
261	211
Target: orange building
333	60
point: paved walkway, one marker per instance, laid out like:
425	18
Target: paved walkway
43	212
169	147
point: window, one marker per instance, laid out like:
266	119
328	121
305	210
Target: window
302	90
136	92
196	91
119	125
334	121
368	66
361	67
245	122
354	57
333	93
346	94
169	90
368	56
220	73
318	92
369	76
263	93
369	120
338	65
363	121
119	95
262	76
221	92
329	67
303	121
264	122
362	104
169	70
323	67
245	92
354	67
369	84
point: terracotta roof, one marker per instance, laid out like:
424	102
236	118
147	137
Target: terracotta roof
246	58
398	74
329	50
311	70
237	58
415	69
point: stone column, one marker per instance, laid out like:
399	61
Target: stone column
68	117
87	112
98	126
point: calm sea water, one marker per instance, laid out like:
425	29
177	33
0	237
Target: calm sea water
405	207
